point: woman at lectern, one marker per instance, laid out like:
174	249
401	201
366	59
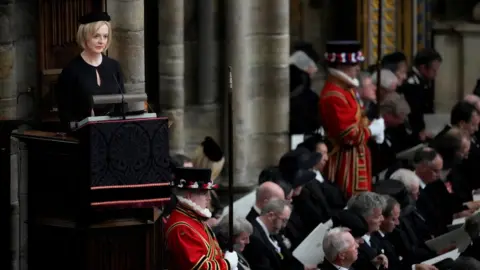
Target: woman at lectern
89	73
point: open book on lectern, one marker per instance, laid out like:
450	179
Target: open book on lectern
127	106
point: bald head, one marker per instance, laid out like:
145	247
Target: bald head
266	192
474	100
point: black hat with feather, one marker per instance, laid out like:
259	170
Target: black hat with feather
209	155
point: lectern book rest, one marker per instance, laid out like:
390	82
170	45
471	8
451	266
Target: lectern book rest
106	163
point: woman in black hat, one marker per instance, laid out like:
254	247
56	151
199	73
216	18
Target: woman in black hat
90	73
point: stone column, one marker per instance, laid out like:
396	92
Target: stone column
128	41
171	66
258	51
269	88
8	87
239	57
207	54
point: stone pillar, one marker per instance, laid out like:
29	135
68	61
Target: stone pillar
8	87
239	57
128	41
269	89
258	51
171	67
207	54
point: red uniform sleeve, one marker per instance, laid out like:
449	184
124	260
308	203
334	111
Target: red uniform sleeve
339	120
192	251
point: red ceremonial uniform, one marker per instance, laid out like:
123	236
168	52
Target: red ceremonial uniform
191	244
349	163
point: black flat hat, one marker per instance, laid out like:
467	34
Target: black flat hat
94	17
295	166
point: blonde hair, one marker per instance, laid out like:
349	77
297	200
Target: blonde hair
201	161
86	32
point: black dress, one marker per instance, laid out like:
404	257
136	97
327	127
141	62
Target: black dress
78	83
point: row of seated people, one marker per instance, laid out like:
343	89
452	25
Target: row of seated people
413	206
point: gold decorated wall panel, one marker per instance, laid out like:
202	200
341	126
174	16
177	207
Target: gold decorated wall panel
405	26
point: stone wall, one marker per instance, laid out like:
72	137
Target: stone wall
18	57
260	77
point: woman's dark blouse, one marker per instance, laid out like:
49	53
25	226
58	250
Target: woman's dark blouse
78	83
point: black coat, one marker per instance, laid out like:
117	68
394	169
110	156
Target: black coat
409	237
262	255
315	204
419	95
438	206
366	253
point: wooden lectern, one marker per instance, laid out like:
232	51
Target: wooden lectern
92	195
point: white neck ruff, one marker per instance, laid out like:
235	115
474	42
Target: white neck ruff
204	212
344	77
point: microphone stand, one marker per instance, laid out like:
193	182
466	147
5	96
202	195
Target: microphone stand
379	72
122	105
230	160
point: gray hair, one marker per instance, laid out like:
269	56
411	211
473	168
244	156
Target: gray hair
389	80
365	203
239	225
276	206
409	178
394	104
334	242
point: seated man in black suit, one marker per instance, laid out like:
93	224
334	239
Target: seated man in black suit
470	165
391	215
410	235
265	192
264	251
341	250
438	201
272	174
369	205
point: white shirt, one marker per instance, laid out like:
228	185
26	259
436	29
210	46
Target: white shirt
318	176
257	209
339	267
366	238
273	242
422	184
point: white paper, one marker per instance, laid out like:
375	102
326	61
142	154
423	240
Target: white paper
242	206
295	140
458	237
409	153
476	197
434	123
454	254
310	251
458	221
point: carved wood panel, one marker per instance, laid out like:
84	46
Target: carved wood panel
57	43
